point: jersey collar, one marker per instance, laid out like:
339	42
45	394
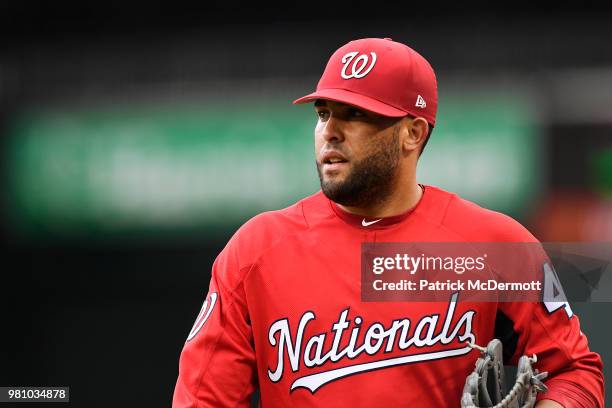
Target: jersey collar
368	223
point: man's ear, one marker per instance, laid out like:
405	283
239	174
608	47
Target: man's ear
414	133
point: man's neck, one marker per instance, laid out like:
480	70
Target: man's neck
396	204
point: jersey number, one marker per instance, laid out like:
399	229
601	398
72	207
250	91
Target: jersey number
554	296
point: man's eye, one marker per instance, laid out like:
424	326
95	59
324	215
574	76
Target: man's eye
322	114
356	113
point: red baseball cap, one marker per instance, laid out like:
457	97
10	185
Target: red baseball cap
382	76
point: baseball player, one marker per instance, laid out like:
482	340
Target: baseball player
283	312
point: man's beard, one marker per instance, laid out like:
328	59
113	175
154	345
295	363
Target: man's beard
370	181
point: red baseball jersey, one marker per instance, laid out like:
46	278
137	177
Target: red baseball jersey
284	313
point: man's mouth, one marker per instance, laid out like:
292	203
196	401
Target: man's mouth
334	165
333	161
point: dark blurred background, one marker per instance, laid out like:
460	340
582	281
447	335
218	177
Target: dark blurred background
136	137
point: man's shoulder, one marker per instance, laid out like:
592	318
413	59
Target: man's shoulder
475	223
268	229
284	221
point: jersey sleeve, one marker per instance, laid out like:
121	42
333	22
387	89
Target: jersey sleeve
551	331
217	363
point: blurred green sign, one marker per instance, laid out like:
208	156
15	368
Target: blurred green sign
601	170
192	166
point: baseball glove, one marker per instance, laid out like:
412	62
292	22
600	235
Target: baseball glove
485	386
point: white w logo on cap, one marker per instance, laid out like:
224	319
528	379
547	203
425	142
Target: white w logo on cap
358	65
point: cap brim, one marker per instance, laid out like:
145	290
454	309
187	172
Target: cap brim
355	99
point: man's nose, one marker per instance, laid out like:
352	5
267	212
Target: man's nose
333	131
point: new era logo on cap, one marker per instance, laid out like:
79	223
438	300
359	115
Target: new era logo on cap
382	76
420	103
